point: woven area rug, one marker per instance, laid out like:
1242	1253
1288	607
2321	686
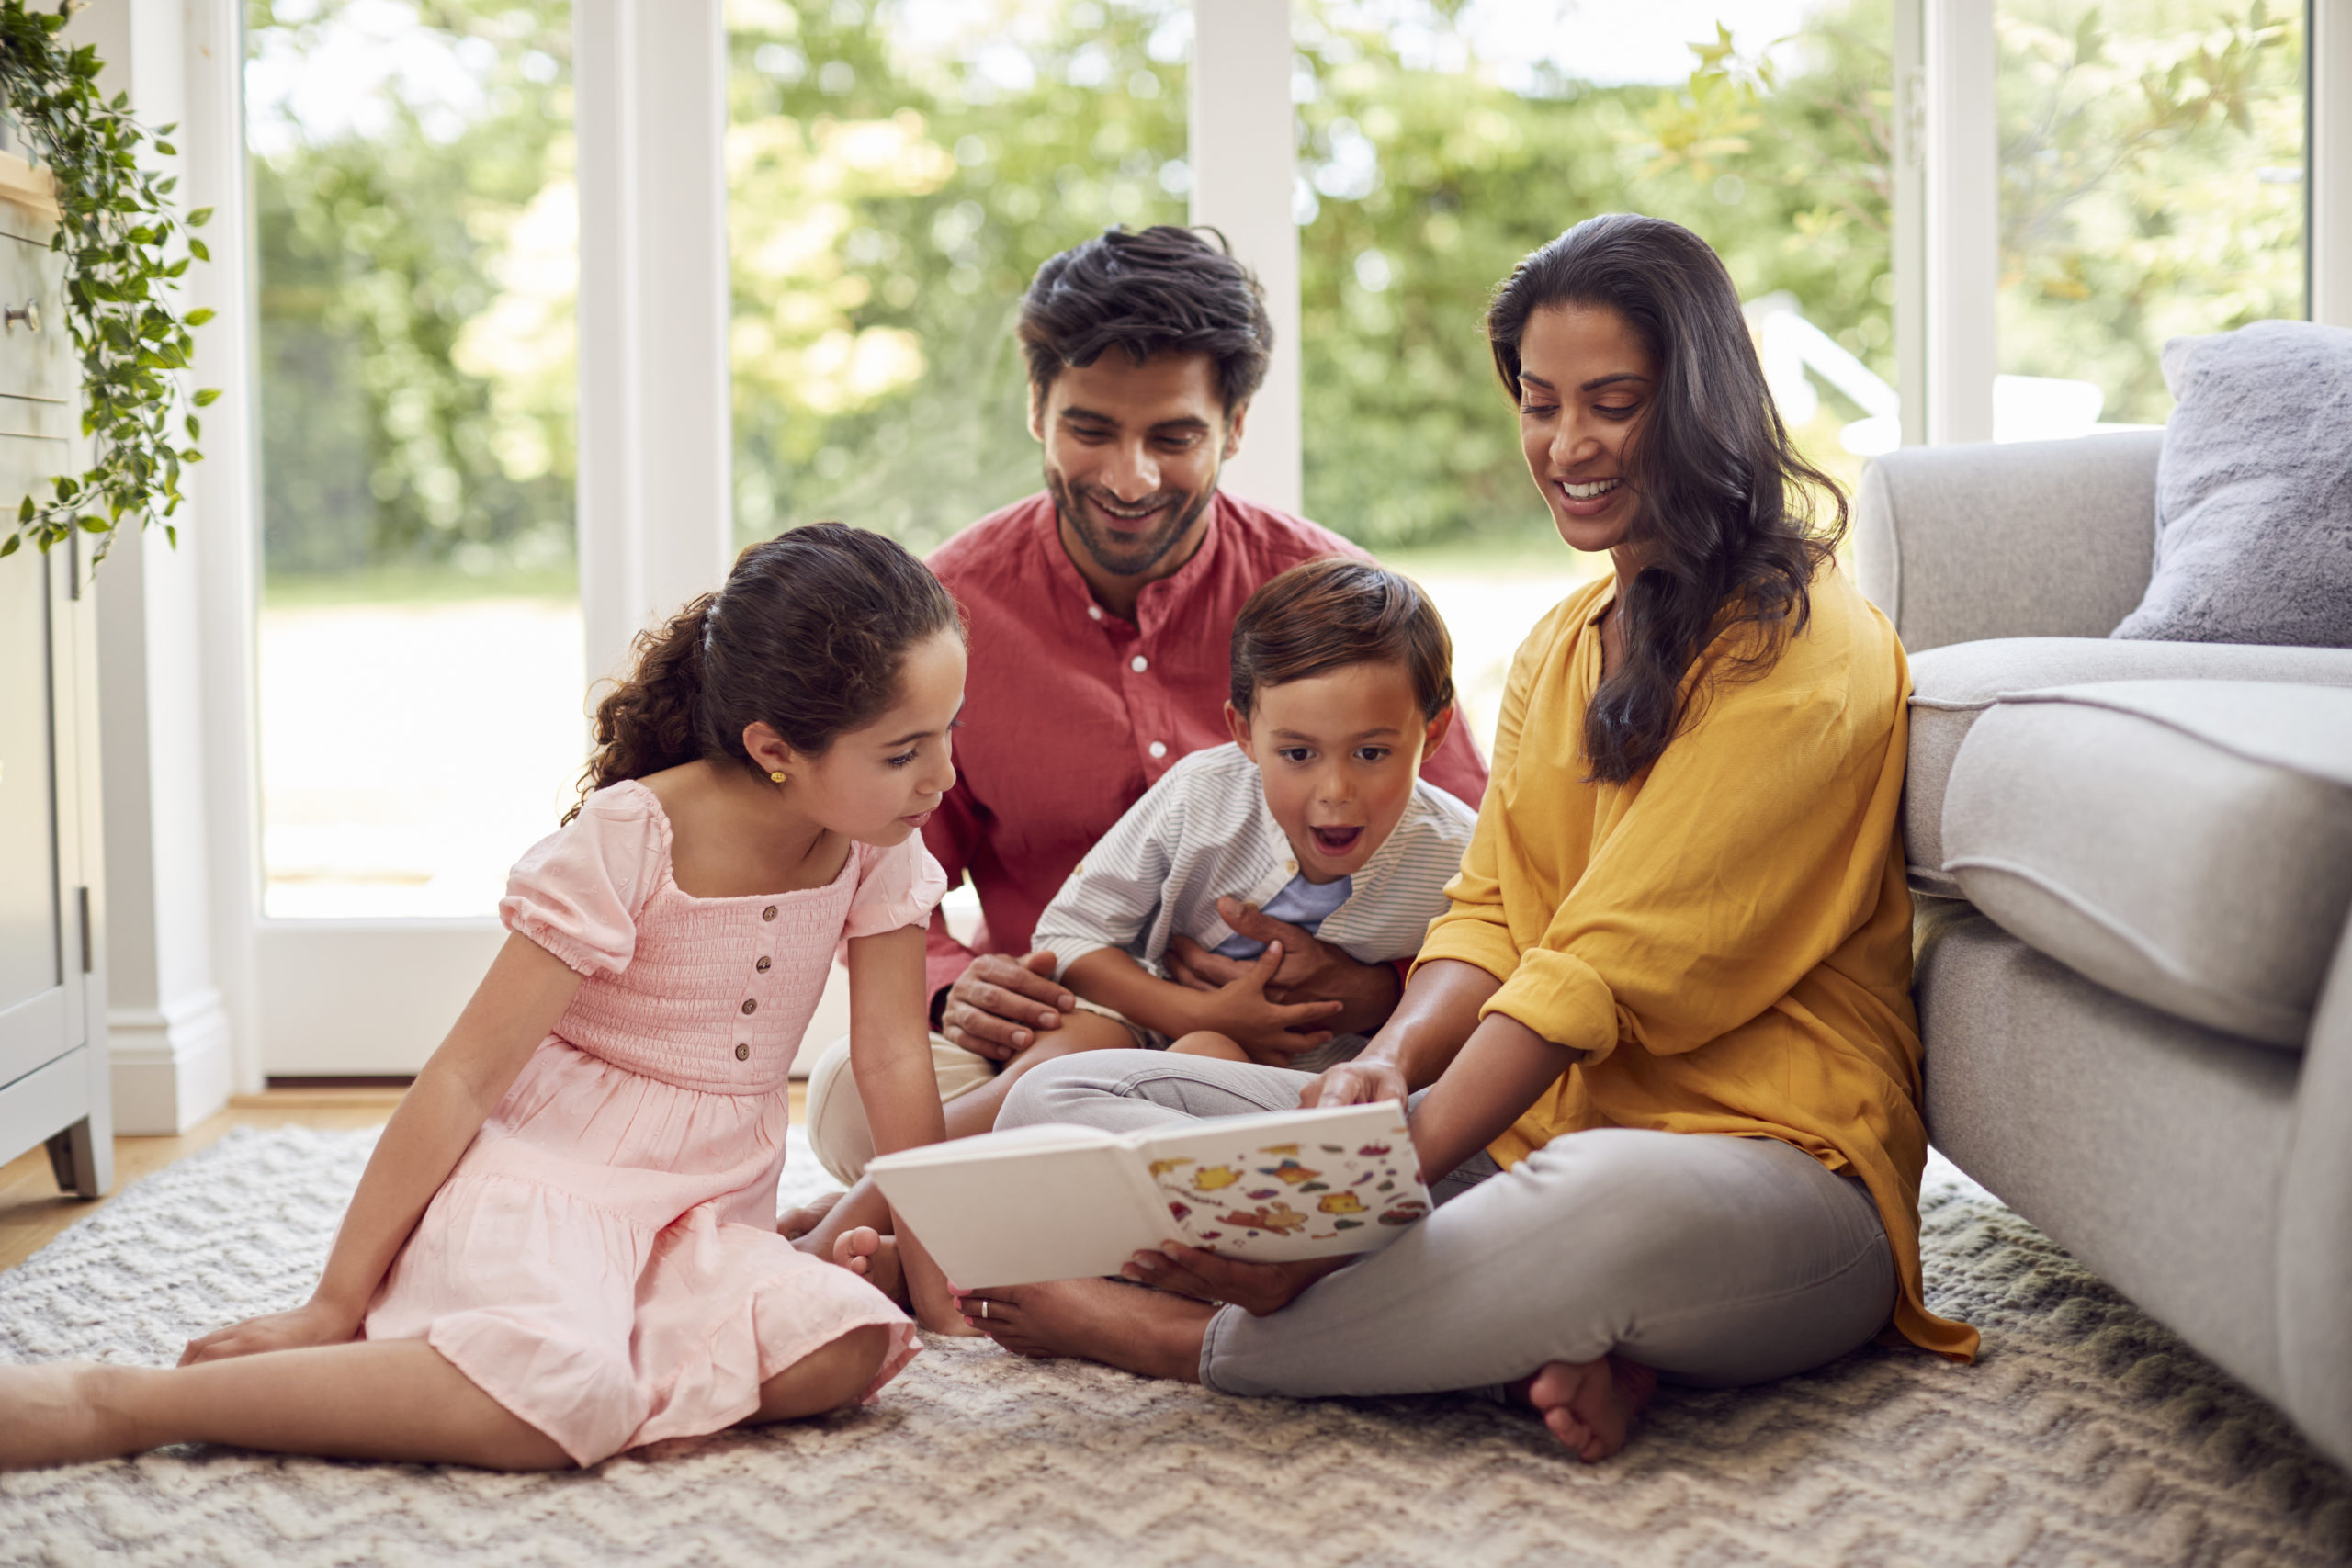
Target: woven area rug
2085	1435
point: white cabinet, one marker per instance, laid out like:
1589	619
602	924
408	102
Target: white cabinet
53	1071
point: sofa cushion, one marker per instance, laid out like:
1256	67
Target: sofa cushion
1952	685
2254	491
2188	843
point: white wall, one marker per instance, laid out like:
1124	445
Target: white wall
174	694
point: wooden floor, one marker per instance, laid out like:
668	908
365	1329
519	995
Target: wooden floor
32	1210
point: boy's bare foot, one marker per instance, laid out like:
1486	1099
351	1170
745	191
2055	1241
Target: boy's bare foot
53	1415
1144	1331
793	1223
1590	1406
866	1251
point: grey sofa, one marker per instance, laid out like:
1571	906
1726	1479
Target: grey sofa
2134	863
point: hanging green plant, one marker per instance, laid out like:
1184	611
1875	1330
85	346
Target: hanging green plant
117	229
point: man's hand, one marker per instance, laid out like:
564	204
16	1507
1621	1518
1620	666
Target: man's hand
311	1323
1359	1082
1311	970
998	1003
1242	1012
1258	1289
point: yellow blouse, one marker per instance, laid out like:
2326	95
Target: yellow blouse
1728	935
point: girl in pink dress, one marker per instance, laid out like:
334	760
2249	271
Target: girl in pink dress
565	1244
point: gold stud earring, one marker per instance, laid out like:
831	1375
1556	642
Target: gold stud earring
776	777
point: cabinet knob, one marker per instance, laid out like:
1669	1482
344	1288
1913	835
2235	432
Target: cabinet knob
29	314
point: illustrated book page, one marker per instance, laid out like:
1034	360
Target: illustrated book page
1297	1184
1053	1202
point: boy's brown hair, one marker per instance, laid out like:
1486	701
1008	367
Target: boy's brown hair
1324	614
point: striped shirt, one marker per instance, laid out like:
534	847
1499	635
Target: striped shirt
1205	831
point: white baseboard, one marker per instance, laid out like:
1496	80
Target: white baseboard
171	1067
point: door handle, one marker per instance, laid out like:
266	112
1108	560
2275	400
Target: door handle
30	313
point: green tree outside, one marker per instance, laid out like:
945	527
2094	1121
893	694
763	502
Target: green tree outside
892	195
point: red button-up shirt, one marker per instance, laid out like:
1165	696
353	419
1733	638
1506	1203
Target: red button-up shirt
1070	713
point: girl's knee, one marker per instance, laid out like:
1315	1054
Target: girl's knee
834	1376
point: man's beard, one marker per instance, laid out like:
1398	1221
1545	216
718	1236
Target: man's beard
1129	555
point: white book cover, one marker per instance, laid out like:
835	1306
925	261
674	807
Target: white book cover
1055	1202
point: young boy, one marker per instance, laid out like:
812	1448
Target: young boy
1317	814
1342	682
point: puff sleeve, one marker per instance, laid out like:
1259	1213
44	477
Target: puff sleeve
578	891
896	885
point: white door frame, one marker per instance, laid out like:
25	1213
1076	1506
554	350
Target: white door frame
374	997
1242	151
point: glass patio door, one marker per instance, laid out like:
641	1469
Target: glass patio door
421	679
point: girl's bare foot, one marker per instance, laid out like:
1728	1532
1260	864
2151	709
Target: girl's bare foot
793	1223
866	1251
1150	1332
54	1414
1590	1406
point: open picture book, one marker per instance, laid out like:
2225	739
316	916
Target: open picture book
1054	1202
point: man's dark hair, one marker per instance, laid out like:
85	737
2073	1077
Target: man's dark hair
1326	614
1167	291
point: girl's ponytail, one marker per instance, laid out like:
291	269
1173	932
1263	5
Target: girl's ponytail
806	638
649	721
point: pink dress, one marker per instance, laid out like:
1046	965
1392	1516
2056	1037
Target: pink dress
604	1261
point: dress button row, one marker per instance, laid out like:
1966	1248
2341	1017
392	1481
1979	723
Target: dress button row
1138	664
1157	749
762	966
768	913
742	1053
750	1006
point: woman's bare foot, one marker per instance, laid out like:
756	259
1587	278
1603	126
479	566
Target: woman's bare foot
54	1414
866	1251
1150	1332
793	1223
1590	1406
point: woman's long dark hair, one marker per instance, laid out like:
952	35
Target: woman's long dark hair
1722	495
807	636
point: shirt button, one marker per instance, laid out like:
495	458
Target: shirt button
768	913
1288	865
1094	612
750	1006
1158	748
1138	664
762	966
742	1053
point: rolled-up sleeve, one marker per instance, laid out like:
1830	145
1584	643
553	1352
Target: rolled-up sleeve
1754	848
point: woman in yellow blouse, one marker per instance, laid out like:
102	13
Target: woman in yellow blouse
1667	1066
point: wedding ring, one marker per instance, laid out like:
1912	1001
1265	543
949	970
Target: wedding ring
984	1308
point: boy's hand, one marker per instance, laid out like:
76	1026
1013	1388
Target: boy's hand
1241	1011
999	1004
1312	970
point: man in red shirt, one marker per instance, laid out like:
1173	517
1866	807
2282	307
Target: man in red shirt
1101	613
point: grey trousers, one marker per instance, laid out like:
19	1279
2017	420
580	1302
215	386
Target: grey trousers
1717	1261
